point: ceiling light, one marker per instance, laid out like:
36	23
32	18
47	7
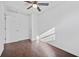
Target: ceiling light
34	5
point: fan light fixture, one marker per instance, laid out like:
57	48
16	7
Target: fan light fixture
34	5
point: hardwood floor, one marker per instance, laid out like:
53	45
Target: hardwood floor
26	48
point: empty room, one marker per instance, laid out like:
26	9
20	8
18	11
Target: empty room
39	28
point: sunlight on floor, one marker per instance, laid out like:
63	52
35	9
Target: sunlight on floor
44	49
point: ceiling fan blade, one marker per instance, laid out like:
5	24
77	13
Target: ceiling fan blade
29	7
43	4
28	1
38	9
34	2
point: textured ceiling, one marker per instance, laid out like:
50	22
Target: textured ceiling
21	7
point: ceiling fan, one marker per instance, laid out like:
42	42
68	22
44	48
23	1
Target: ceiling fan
36	5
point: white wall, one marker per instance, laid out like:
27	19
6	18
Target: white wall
18	22
2	29
68	29
65	17
17	27
49	18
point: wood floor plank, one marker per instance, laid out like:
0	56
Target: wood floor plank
26	48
